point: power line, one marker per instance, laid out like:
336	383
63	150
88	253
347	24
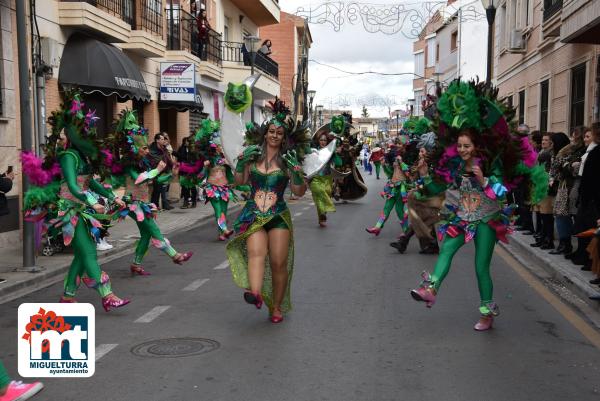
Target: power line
365	72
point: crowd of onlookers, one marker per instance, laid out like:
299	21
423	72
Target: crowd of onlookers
564	222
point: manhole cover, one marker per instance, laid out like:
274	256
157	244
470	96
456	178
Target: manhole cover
175	347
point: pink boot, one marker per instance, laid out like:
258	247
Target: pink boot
488	310
484	323
111	301
373	230
425	292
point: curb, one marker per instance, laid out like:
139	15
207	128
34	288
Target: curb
563	272
51	276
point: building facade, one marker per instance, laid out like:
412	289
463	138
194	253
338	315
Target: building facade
547	61
291	40
117	52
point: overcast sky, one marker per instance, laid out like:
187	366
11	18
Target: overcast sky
355	49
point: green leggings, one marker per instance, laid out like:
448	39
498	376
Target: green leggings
149	230
485	240
390	204
84	262
377	168
220	208
4	377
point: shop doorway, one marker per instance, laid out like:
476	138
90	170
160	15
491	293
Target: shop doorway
168	123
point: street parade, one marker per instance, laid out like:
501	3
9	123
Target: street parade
190	224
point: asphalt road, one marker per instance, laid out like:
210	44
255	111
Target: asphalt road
354	334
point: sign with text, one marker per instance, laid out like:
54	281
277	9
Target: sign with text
56	340
177	81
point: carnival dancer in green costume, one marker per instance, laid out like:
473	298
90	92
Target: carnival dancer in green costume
321	185
126	154
261	255
219	177
481	157
395	191
75	208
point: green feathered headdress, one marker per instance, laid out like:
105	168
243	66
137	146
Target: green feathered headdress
338	125
206	131
78	127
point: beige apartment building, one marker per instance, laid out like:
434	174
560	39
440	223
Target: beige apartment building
116	51
546	61
291	40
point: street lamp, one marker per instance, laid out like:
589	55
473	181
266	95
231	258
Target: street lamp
490	12
250	42
319	111
311	96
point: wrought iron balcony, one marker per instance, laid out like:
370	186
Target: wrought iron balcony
123	9
149	16
237	52
551	7
182	34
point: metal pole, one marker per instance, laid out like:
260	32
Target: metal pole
490	13
26	129
171	26
252	56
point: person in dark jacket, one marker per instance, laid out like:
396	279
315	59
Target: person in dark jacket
6	183
183	155
158	152
588	210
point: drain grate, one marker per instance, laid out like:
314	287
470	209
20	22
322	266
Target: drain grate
175	347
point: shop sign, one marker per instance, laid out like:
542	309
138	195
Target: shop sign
178	81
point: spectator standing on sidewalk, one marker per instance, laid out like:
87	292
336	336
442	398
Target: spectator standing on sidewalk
6	183
189	195
588	211
562	172
158	152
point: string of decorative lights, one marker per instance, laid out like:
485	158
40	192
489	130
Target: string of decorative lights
405	17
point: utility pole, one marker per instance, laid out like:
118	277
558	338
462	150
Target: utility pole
26	125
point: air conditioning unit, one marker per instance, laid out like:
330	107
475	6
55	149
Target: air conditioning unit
518	43
51	51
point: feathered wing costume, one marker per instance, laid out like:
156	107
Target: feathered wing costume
266	209
219	177
126	163
66	195
395	191
423	211
348	182
506	160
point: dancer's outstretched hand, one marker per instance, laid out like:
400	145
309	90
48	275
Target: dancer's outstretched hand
291	159
249	154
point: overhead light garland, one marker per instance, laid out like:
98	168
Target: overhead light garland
406	18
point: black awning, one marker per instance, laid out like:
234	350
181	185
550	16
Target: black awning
95	66
197	105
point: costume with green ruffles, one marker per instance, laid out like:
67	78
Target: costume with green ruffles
266	209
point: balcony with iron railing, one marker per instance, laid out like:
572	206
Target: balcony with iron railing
110	19
183	37
237	52
182	34
146	38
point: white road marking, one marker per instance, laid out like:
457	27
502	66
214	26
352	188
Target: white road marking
306	208
104	349
194	285
297	214
223	265
153	314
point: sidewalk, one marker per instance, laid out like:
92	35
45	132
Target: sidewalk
122	236
560	270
